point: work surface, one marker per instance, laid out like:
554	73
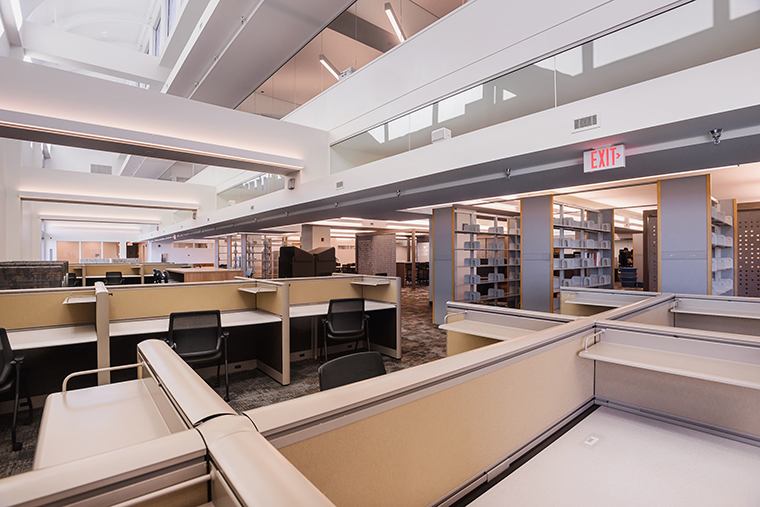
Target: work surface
620	459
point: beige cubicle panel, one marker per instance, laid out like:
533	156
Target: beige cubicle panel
35	308
458	419
320	289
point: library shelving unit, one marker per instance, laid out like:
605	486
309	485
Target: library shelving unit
487	258
262	253
722	214
583	245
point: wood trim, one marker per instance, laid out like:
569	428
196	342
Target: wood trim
659	236
709	235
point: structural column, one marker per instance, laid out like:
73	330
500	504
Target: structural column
537	245
683	235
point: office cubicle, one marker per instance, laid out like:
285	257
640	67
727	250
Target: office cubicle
133	273
586	302
429	434
469	326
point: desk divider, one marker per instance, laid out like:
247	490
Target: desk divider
412	441
321	289
35	308
102	325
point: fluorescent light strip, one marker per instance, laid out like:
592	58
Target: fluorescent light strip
329	66
394	22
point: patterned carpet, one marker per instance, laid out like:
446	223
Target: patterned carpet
421	342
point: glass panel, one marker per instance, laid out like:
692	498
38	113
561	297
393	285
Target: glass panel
694	34
67	251
90	249
259	185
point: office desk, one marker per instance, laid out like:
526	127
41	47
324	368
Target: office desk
161	324
203	274
306	331
255	341
128	279
52	337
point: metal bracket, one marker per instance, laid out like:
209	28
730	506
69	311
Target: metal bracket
592	335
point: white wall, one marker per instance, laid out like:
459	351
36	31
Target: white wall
20	228
344	255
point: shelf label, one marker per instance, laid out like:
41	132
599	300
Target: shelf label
610	157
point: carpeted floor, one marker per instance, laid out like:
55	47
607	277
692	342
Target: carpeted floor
421	342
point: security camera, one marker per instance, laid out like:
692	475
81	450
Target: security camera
716	133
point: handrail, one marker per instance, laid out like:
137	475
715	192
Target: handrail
445	319
97	370
592	335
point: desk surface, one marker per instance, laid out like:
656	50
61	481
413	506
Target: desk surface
161	325
633	461
52	337
316	309
95	420
201	270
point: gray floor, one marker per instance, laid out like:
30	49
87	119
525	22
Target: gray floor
621	459
421	342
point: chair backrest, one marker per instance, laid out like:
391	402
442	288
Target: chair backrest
6	356
113	277
346	314
71	279
192	332
349	369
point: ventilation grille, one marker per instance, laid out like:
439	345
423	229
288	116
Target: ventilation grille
338	185
586	122
100	169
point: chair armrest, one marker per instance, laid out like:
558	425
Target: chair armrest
19	360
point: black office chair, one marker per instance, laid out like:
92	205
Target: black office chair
114	278
157	276
349	369
345	322
166	277
10	377
197	337
71	280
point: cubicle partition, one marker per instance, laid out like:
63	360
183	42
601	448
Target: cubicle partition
252	312
57	331
469	326
309	300
163	439
585	302
89	274
426	435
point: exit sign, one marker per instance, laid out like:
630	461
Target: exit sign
604	158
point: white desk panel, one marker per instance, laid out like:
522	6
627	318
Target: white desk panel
486	330
229	319
634	461
52	337
316	309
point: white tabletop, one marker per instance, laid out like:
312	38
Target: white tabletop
95	420
51	337
316	309
161	325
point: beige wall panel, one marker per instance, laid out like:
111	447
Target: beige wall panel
732	407
720	324
321	290
125	269
658	316
581	310
269	301
163	299
413	454
456	343
44	309
385	293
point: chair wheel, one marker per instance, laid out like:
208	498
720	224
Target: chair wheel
226	398
17	446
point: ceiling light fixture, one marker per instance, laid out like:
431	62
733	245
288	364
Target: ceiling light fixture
394	22
329	66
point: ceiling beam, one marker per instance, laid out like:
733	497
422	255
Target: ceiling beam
58	46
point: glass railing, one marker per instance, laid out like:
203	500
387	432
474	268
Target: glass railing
693	34
257	186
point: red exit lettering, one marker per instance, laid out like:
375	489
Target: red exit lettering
604	158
